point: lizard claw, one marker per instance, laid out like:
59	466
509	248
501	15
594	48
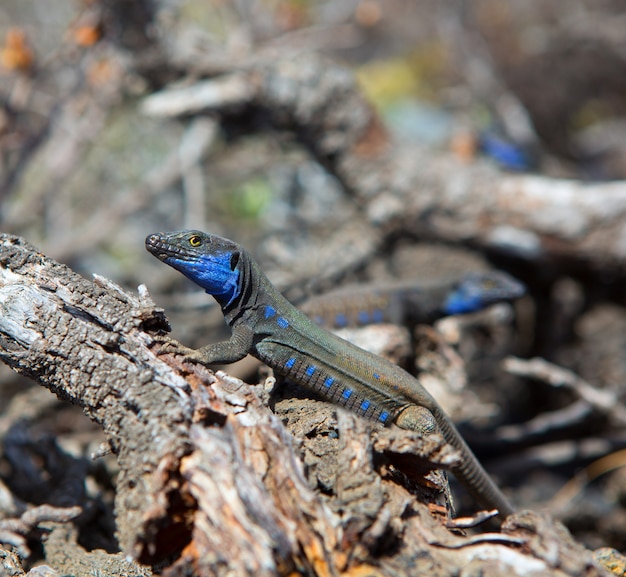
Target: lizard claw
171	347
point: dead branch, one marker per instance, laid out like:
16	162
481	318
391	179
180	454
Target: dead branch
211	482
603	401
86	342
14	531
534	217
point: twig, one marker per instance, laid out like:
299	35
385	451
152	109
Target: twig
546	423
567	493
605	402
14	531
534	217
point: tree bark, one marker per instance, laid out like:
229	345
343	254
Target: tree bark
211	482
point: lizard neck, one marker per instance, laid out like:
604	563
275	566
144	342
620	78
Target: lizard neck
254	295
247	290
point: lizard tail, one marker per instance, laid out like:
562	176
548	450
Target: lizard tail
470	472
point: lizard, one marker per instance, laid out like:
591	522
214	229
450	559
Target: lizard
411	301
267	326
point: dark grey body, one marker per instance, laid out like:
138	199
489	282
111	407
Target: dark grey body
265	325
410	301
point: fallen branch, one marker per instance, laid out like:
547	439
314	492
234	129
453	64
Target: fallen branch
404	187
210	481
604	402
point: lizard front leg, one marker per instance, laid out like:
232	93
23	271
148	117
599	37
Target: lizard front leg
225	352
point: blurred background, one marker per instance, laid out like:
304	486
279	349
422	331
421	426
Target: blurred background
526	86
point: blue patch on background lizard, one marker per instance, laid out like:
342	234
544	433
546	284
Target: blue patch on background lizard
468	297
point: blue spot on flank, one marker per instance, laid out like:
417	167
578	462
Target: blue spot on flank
341	320
363	317
310	370
376	376
290	362
269	312
347	394
318	320
365	405
328	382
378	316
282	322
383	417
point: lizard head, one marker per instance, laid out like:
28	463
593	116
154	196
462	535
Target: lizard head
476	291
208	260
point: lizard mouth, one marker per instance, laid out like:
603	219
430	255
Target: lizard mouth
161	248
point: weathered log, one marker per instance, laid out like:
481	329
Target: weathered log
211	482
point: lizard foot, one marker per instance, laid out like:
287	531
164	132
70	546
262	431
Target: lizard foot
171	347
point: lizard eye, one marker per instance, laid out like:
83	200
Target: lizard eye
195	240
234	259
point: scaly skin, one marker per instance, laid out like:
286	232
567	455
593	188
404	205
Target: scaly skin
411	301
265	325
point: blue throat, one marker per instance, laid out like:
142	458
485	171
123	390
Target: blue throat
461	301
213	274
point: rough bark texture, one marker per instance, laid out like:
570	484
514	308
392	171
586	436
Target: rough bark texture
86	342
211	482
